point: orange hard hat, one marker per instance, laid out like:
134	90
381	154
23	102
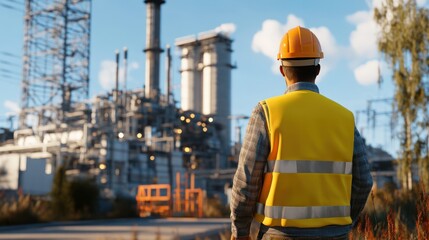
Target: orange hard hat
299	42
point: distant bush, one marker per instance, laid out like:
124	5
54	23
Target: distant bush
214	208
123	208
77	199
83	196
61	204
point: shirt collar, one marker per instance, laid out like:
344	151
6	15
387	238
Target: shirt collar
303	86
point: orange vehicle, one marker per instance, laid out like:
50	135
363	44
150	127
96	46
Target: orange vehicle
158	199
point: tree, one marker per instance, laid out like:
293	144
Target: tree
61	203
73	199
403	40
84	195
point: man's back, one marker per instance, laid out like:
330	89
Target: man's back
308	178
302	168
312	124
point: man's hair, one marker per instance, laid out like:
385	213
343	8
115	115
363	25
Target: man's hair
302	74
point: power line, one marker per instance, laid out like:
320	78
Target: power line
9	79
7	6
5	62
10	54
7	71
16	2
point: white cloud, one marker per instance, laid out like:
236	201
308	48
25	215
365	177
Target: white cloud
226	28
363	40
107	73
13	107
421	2
327	41
267	40
106	76
330	49
368	73
359	17
363	44
134	66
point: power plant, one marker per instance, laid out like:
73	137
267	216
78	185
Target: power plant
124	138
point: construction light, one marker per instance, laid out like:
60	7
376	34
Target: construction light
211	119
199	123
193	166
103	180
102	166
139	135
182	118
152	157
192	115
178	131
188	120
187	149
103	152
121	135
205	129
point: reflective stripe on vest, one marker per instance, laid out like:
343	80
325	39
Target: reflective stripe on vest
288	166
308	178
303	212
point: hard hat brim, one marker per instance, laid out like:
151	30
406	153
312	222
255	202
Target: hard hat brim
300	62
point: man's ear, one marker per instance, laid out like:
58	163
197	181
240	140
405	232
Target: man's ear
318	69
281	70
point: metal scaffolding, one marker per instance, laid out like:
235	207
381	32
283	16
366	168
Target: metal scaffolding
56	59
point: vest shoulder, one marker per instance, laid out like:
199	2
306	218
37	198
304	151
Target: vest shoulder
338	105
292	97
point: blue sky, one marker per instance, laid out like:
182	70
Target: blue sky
345	29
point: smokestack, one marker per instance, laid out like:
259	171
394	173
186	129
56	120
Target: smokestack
124	91
125	68
153	49
168	79
116	91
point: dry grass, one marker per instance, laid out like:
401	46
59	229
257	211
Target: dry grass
390	214
23	210
395	215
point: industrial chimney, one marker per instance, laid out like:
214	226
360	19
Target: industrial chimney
153	49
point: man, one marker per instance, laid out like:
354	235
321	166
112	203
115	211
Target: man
302	171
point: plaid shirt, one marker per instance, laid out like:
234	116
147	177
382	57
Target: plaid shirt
249	175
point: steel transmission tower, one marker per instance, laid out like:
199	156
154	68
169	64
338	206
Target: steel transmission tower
56	59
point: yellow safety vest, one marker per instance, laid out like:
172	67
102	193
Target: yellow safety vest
308	179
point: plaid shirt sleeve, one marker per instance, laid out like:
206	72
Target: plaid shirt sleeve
361	180
248	177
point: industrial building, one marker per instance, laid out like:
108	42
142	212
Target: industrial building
206	79
124	138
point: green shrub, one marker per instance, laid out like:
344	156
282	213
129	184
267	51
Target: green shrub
83	195
77	199
123	208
